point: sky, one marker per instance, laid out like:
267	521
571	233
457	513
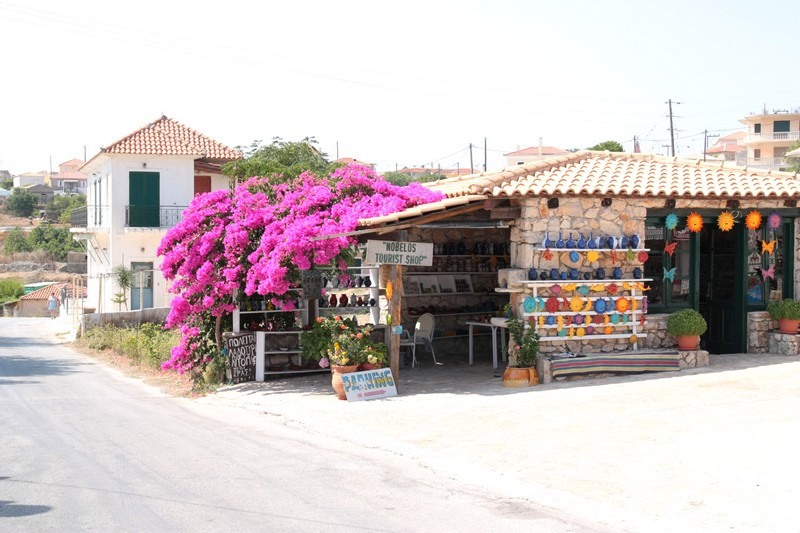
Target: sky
394	84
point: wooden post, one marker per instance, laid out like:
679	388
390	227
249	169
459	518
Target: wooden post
396	278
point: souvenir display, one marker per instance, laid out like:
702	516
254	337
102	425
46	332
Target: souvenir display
592	256
643	257
533	274
694	222
591	243
530	304
753	220
725	221
671	221
774	220
768	247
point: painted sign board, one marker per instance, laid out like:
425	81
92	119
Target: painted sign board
369	384
312	284
241	356
399	253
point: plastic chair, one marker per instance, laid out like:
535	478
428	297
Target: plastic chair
423	334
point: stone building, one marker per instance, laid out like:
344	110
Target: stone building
728	274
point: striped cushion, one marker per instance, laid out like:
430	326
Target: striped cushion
624	363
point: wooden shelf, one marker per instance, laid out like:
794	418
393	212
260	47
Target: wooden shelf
554	249
593	336
573	313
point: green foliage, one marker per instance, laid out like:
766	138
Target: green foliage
124	277
61	206
17	241
525	345
55	240
789	309
7	184
10	290
793	163
288	159
610	146
149	345
399	178
686	322
21	203
317	341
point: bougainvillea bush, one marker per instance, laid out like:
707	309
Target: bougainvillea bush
258	238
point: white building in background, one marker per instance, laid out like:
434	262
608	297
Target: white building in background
531	154
138	188
31	178
769	135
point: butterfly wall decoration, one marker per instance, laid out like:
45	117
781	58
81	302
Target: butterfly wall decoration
669	274
768	247
768	272
670	248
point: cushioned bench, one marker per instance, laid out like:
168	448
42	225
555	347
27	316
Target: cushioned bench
633	362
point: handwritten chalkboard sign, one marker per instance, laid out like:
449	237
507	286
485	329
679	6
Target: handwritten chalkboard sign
241	356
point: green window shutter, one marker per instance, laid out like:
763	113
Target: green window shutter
144	199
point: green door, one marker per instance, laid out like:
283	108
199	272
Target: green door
144	200
722	289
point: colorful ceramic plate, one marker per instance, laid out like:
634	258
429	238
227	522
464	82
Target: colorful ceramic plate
550	320
600	306
578	319
615	318
530	304
583	290
581	332
622	304
576	304
598	319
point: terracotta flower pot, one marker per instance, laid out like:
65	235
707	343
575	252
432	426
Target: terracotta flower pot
520	377
336	378
688	342
788	326
367	366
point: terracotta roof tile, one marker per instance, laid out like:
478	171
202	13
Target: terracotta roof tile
166	136
624	174
45	292
534	150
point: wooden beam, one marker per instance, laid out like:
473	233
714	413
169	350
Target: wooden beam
431	218
505	213
395	311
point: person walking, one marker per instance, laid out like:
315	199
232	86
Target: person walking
52	306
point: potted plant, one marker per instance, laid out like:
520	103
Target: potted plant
787	313
318	340
344	356
687	325
523	352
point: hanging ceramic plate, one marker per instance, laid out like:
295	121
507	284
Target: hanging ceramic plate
608	330
612	288
615	318
598	319
622	304
634	339
588	306
583	289
606	319
563	332
592	256
589	330
578	319
530	304
541	321
600	306
643	257
555	289
581	332
550	320
576	304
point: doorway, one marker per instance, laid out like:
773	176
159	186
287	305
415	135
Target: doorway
722	294
142	288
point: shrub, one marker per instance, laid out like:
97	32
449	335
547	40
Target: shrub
686	322
21	203
149	345
10	290
17	241
788	309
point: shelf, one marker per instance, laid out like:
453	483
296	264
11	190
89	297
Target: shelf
347	308
471	255
452	294
595	336
428	273
504	290
458	314
573	313
554	249
340	289
576	326
582	282
287	332
295	310
279	352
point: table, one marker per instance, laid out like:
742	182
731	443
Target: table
494	340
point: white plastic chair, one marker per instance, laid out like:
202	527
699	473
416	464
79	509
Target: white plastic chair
423	334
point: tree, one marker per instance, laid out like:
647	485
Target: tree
793	163
10	290
17	241
280	158
7	184
124	277
610	146
399	178
61	206
21	203
56	241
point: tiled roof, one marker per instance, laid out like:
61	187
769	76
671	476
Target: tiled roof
534	150
76	162
166	136
588	173
350	160
45	292
80	176
726	147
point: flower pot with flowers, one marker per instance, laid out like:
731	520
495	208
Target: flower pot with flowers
687	325
344	357
787	313
523	352
318	340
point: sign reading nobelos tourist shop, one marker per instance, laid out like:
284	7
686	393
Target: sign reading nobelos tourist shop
399	253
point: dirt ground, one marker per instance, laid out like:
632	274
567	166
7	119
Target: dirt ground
7	219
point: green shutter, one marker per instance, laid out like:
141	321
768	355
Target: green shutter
144	199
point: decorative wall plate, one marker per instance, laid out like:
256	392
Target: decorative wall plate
530	304
600	306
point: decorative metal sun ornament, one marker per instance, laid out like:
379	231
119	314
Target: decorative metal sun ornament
725	221
672	221
694	222
774	220
753	220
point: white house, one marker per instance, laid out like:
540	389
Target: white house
138	188
31	178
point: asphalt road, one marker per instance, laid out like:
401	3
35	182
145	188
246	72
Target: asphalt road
82	447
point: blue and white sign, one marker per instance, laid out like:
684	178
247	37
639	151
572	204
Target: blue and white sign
369	384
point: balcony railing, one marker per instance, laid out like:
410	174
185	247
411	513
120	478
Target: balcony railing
153	216
766	162
94	216
778	136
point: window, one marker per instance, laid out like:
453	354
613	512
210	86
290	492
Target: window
756	153
667	293
757	128
760	292
780	126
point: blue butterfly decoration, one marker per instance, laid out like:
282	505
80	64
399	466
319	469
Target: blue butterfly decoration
669	274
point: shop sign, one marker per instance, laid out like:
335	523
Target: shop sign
241	356
399	253
312	284
369	384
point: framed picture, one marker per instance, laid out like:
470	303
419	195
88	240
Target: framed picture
411	285
463	284
446	284
428	285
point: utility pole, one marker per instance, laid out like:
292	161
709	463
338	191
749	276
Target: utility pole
671	128
484	154
337	149
84	152
471	167
705	142
666	146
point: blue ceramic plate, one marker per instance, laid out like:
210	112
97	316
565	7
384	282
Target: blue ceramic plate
530	304
615	318
550	320
600	306
583	290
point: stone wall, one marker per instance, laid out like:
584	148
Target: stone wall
758	326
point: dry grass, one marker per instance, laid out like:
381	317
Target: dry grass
167	382
37	256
